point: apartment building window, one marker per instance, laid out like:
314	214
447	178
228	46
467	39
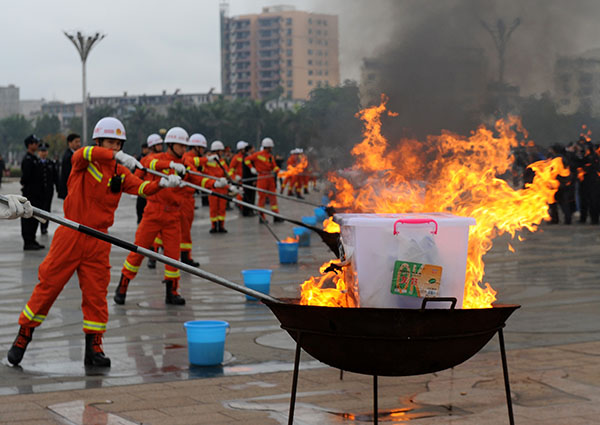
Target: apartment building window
310	40
289	83
310	51
289	62
309	31
310	61
289	94
310	20
319	72
319	84
310	72
288	52
325	42
289	73
289	31
326	72
310	82
289	41
288	21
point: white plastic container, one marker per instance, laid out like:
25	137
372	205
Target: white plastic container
400	258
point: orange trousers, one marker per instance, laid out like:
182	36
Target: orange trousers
217	206
156	221
187	218
70	252
267	184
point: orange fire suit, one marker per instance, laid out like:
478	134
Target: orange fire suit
161	216
192	162
292	180
217	206
236	164
89	202
265	165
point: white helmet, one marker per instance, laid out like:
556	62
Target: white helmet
177	135
267	142
294	151
109	128
197	139
153	140
241	145
217	145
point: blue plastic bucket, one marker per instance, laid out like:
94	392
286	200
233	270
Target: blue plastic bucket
257	279
303	235
320	214
310	220
206	341
288	252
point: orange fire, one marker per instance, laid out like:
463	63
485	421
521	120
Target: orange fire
289	239
455	174
331	289
331	226
296	169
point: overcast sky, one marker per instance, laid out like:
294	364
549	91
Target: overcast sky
151	45
156	45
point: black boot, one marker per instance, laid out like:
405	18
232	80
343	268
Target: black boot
221	227
16	352
121	291
213	228
186	259
94	355
173	296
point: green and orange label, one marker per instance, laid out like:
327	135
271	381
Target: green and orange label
416	279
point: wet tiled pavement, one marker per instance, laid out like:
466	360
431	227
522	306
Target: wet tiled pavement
553	341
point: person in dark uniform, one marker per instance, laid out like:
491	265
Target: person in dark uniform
249	195
49	181
73	143
2	168
31	177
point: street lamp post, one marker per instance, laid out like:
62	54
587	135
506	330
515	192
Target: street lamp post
84	44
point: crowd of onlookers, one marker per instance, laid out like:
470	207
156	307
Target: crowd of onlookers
579	192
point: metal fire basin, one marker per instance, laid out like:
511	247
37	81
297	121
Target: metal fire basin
390	342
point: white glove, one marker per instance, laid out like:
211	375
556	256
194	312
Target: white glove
237	178
222	182
127	160
213	157
253	170
236	190
178	167
172	180
18	206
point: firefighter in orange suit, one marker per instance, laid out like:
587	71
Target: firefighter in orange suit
262	163
95	185
193	160
237	161
161	216
217	167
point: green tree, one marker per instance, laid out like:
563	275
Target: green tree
47	125
13	130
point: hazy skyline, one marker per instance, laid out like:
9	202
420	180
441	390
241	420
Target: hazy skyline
153	45
150	46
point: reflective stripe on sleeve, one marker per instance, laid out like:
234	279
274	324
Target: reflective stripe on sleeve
94	172
87	153
141	188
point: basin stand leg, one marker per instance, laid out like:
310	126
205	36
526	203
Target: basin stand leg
511	418
375	408
294	381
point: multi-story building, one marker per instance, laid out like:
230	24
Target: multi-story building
281	51
9	101
577	83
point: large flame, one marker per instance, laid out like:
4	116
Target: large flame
296	169
455	174
331	289
331	226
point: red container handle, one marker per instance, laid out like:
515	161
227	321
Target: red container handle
416	221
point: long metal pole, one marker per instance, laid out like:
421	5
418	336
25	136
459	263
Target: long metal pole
84	103
511	418
148	253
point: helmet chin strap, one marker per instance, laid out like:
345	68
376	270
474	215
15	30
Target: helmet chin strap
170	148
